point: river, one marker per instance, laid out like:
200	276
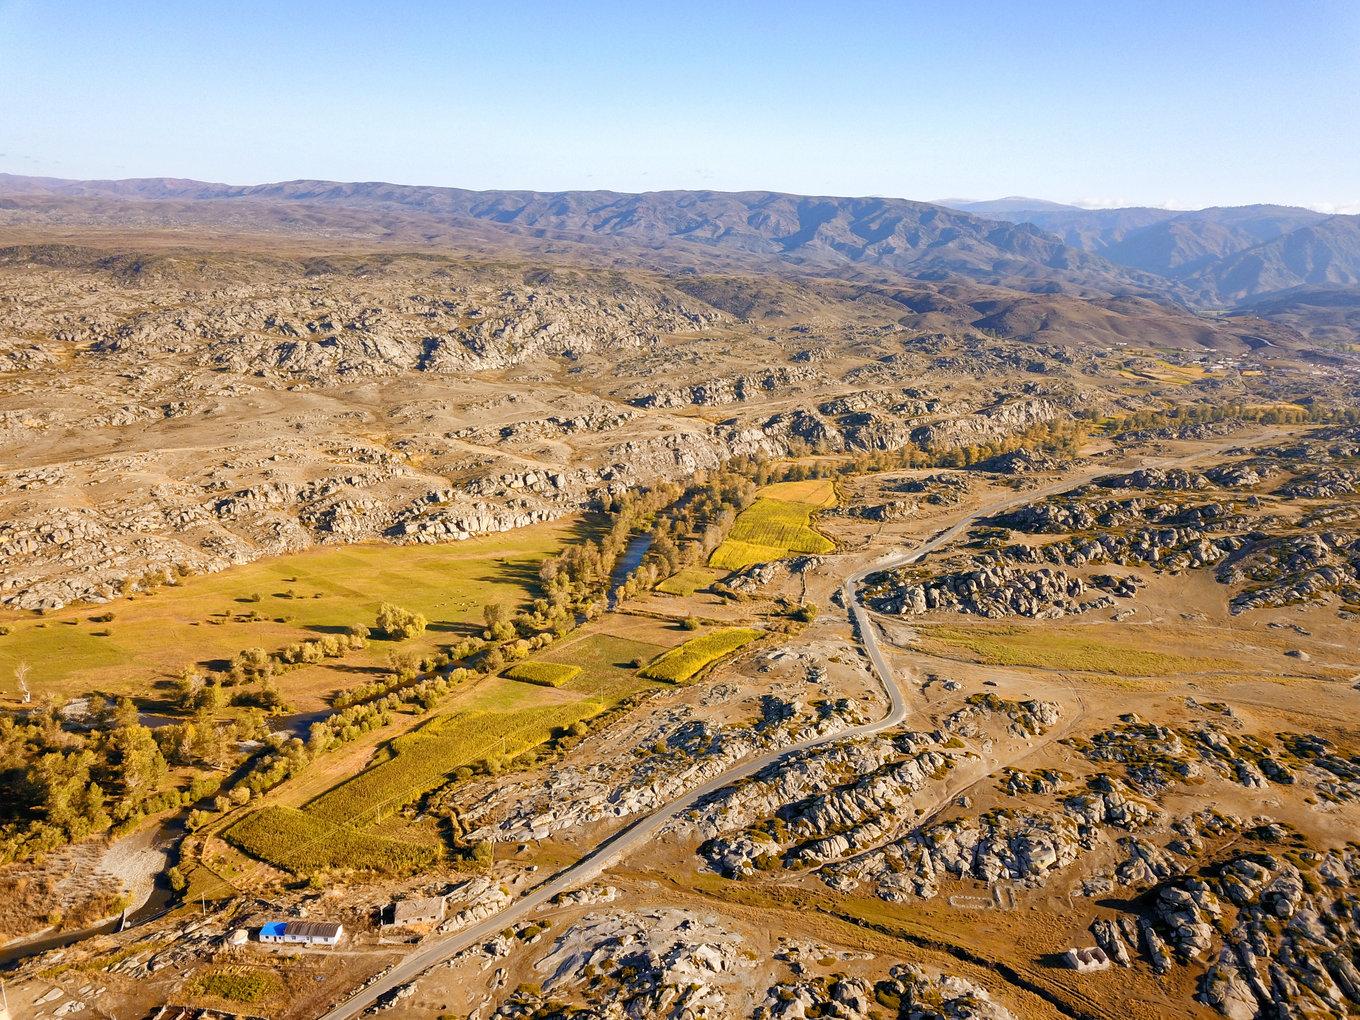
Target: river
627	563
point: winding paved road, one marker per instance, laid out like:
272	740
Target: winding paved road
640	831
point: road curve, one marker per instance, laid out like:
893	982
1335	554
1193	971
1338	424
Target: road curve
641	830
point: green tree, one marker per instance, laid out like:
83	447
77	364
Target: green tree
400	624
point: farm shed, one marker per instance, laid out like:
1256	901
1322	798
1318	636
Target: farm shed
425	910
316	933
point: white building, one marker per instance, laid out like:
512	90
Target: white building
314	933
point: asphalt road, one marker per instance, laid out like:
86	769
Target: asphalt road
642	830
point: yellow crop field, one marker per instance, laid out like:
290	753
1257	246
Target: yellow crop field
545	674
684	663
423	758
777	524
689	580
302	843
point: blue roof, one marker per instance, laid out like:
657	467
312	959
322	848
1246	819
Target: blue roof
273	928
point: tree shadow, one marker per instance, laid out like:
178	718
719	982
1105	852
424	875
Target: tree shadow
341	667
454	627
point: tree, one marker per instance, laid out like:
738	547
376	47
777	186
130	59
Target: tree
496	614
141	766
400	624
124	714
21	678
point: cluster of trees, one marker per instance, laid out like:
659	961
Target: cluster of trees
690	524
256	669
397	624
1061	438
1207	413
60	783
69	785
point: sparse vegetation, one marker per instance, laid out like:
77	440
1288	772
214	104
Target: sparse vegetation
246	985
1056	648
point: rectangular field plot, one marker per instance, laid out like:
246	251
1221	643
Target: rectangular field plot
684	663
686	582
607	663
777	524
301	843
544	674
423	758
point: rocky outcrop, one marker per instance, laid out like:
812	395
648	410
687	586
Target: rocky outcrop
991	591
988	425
1293	569
1327	483
921	997
732	390
1170	479
665	963
677	752
1020	462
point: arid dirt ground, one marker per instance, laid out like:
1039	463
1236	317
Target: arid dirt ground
1131	680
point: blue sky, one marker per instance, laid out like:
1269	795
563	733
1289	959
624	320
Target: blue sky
1188	104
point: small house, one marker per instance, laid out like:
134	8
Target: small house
426	910
313	933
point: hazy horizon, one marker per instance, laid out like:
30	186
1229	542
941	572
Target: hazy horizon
1076	204
1226	104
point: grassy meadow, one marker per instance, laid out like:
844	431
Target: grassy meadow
689	580
1078	649
209	618
778	524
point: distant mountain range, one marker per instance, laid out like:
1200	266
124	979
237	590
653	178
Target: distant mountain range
1208	258
1222	255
